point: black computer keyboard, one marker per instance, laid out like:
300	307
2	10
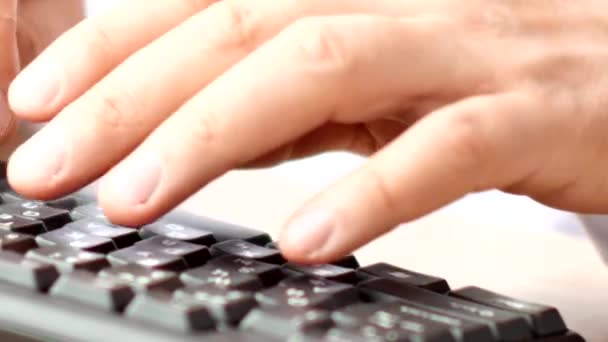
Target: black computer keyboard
67	274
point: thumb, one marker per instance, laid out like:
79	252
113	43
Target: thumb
9	61
471	145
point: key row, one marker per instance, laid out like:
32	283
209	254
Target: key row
303	303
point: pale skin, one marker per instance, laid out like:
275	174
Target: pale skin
445	97
26	28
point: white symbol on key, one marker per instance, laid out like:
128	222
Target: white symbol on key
174	251
5	216
143	280
168	243
318	289
150	262
177	235
71	259
246	270
173	226
158	274
103	233
318	282
6	225
143	254
126	276
296	297
30	205
400	275
12	236
247	253
95	225
78	244
323	272
85	255
218	272
30	213
244	261
75	235
511	303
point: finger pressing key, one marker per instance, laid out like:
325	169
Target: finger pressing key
462	148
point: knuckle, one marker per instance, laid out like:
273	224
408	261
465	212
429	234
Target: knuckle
117	112
497	18
316	44
235	24
380	186
91	39
467	143
197	5
205	129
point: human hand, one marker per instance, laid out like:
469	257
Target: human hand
26	28
447	97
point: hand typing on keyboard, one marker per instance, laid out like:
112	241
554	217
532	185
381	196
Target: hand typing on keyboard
26	27
446	97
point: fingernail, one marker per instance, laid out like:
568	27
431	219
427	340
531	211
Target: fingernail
36	87
133	181
41	157
309	232
6	116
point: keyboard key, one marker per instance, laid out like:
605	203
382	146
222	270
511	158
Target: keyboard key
70	237
340	335
68	259
52	218
178	232
18	224
90	211
544	320
142	279
87	288
147	258
222	231
236	273
388	322
327	271
568	337
285	322
384	270
16	242
35	275
306	292
503	324
121	236
248	250
226	306
68	203
192	254
349	261
162	309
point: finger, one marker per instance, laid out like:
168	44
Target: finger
134	97
477	144
9	60
88	51
241	116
